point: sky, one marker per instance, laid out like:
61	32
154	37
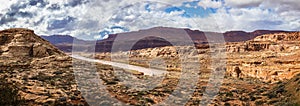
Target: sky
95	19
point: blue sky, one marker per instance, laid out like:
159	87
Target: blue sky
94	19
193	10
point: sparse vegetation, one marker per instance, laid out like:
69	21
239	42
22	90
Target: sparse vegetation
9	94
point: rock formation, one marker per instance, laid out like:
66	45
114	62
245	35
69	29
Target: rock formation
270	57
22	43
40	72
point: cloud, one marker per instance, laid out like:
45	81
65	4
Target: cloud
44	16
6	19
59	24
39	3
210	4
54	7
5	7
243	3
188	5
249	19
89	19
74	3
289	9
282	5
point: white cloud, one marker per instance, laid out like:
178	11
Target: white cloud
210	4
243	3
98	15
282	5
264	14
188	5
289	10
171	2
4	5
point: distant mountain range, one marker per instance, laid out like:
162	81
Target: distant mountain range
64	42
61	39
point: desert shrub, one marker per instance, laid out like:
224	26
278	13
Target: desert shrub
229	94
227	104
271	95
9	94
260	102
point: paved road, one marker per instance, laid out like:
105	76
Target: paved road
146	71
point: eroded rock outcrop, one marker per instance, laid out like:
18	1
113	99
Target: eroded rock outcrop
24	43
40	72
270	42
270	57
292	36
